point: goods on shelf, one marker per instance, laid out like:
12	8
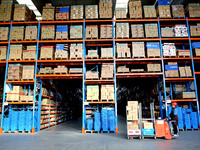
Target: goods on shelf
48	32
196	46
193	9
106	31
17	33
61	51
184	53
195	30
46	52
137	70
14	72
45	92
31	33
123	51
107	70
76	51
151	30
107	92
167	32
138	49
181	31
46	70
92	93
26	98
76	70
92	54
92	75
30	53
6	10
106	53
15	52
62	13
61	70
97	121
120	13
62	32
90	124
107	119
185	71
149	11
76	32
91	32
197	51
76	12
91	12
28	72
4	31
153	49
164	11
137	31
188	95
169	49
14	94
48	12
122	30
147	125
171	70
122	69
153	68
179	88
178	11
135	9
3	53
105	9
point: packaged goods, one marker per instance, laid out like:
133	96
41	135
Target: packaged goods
4	31
123	51
48	12
188	95
92	75
122	30
47	52
91	32
132	113
106	31
151	30
91	12
92	92
17	33
105	9
76	51
167	32
76	12
6	10
149	11
30	53
181	31
46	70
106	53
169	49
14	95
15	52
153	49
62	13
14	72
135	9
92	54
76	32
153	68
48	32
183	53
62	32
137	31
147	125
61	51
61	70
178	11
122	69
107	92
195	30
107	70
138	49
28	72
171	70
3	53
31	33
75	70
120	13
193	9
197	51
164	11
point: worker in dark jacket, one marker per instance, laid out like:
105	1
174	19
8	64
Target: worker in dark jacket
174	116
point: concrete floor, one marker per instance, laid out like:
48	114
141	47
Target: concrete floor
67	136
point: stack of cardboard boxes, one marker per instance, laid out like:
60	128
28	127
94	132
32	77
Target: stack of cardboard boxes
92	54
138	49
197	51
28	72
151	30
135	9
137	31
92	92
181	31
14	72
76	51
62	32
167	32
106	31
193	9
123	51
107	92
46	70
76	12
171	70
137	70
147	125
149	11
48	12
164	11
17	33
105	8
106	53
195	30
76	32
26	98
153	68
61	51
75	70
183	53
153	49
178	11
107	70
46	52
3	53
122	30
14	95
122	69
31	33
91	32
120	13
4	31
62	13
45	91
48	32
61	70
185	71
188	95
15	52
169	49
30	53
92	75
6	10
91	12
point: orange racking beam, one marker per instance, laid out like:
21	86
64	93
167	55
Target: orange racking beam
137	20
104	102
138	75
178	79
99	81
183	100
21	82
133	40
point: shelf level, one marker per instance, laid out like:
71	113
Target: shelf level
21	61
138	75
20	103
21	82
136	40
178	79
197	73
104	102
60	41
183	100
45	96
60	76
99	81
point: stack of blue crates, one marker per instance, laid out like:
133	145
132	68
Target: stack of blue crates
97	121
194	120
111	118
29	119
14	120
6	124
22	120
36	120
180	118
104	119
90	124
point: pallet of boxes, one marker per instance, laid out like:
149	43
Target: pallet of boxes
123	51
107	93
31	33
4	31
92	75
28	73
92	54
15	52
6	8
48	12
47	53
3	53
14	94
196	47
61	52
134	119
107	71
29	53
92	93
171	70
61	69
105	9
135	9
193	10
14	72
76	12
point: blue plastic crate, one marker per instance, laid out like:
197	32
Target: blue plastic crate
194	120
196	45
29	120
90	124
187	121
14	120
180	118
112	123
148	131
97	121
171	67
104	119
151	45
22	119
64	9
163	2
6	124
62	29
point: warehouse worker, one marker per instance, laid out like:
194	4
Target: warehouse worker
174	116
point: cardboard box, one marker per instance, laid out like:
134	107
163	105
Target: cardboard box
91	12
76	51
137	31
181	31
106	32
182	72
122	30
92	92
148	125
107	53
171	73
149	11
76	32
184	53
47	52
135	9
169	49
17	33
178	11
92	75
107	92
107	71
62	13
31	33
105	9
61	51
48	12
48	32
167	32
61	70
91	32
14	72
4	31
92	54
153	68
3	53
28	72
62	32
164	11
138	49
46	70
120	13
76	71
188	71
153	49
76	12
30	53
197	51
14	95
195	30
193	9
6	9
122	69
15	52
123	51
151	30
188	95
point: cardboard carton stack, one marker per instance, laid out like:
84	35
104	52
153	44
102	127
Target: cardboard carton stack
120	13
30	53
92	54
167	32
31	33
153	49
17	33
61	70
193	9
76	32
14	72
122	69
76	51
91	12
46	52
62	32
123	51
195	30
181	31
106	31
171	70
3	53
137	31
180	87
185	71
4	31
169	49
92	92
188	95
48	12
28	72
106	53
178	11
14	95
135	9
151	30
137	70
91	32
92	75
105	8
45	92
46	70
197	51
147	125
107	92
15	52
61	51
164	11
138	49
76	12
132	116
48	32
149	11
153	68
76	70
183	53
122	30
26	98
62	13
107	70
6	10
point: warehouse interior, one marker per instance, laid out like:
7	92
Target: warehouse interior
99	73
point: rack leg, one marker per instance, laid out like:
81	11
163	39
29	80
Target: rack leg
32	131
1	130
83	130
116	129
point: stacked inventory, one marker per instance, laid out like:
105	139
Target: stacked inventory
47	52
169	49
97	122
185	71
164	11
91	32
138	50
3	53
75	70
123	51
183	53
48	32
107	92
91	12
4	31
106	53
167	32
178	11
14	94
28	72
31	33
14	72
76	12
76	51
151	30
48	12
17	33
193	9
92	54
122	30
92	75
149	11
105	9
137	31
76	32
153	49
104	119
196	46
62	13
62	32
92	93
61	51
46	70
30	53
61	70
120	13
107	71
171	70
153	68
181	31
122	69
135	9
195	30
106	31
6	10
15	52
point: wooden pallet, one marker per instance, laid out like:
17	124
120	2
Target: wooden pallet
106	57
61	58
77	58
123	57
170	56
16	40
15	59
16	131
123	71
62	39
183	56
153	71
46	58
27	79
91	131
30	39
29	59
107	100
2	59
154	57
122	37
138	56
9	101
91	38
92	57
92	78
14	79
107	78
60	73
48	39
